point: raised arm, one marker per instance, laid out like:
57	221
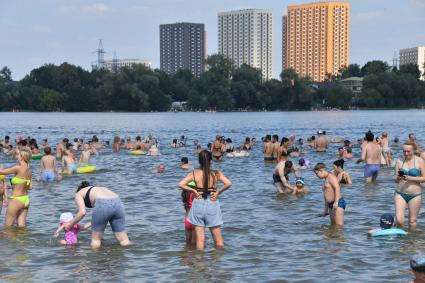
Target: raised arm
226	185
183	185
8	171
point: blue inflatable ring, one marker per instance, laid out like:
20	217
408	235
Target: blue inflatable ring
389	232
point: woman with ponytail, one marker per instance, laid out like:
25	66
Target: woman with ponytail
19	203
205	210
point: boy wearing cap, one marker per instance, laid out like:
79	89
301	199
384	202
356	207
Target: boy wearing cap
386	222
299	185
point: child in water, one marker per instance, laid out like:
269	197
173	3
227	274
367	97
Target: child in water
70	236
299	185
386	222
334	202
3	193
417	267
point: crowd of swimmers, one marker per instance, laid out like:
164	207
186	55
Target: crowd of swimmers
201	189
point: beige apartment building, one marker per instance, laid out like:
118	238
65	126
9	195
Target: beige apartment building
317	38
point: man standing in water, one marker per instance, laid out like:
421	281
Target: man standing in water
268	149
322	142
371	154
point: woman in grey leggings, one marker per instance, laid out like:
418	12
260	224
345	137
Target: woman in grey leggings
107	207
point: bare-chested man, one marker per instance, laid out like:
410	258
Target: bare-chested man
61	147
86	154
48	166
321	144
268	148
276	145
371	154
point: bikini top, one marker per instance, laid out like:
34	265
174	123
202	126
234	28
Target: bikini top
414	172
205	192
87	201
16	180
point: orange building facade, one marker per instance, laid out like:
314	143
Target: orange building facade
317	39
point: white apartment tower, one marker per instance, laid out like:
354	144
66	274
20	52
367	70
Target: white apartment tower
246	37
415	55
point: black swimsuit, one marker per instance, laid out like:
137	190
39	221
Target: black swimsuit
87	201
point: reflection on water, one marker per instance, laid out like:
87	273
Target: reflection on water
268	237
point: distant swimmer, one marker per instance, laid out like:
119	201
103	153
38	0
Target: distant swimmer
334	202
371	154
185	164
86	155
386	151
268	148
217	149
129	144
61	147
409	174
342	175
48	167
159	169
281	175
321	142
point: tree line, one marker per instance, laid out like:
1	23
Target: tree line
223	87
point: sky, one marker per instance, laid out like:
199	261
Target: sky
34	33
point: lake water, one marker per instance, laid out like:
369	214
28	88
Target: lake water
267	237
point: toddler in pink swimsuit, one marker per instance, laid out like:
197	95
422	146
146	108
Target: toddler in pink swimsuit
70	236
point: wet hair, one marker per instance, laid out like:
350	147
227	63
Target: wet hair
339	163
339	148
284	140
205	163
185	160
417	264
84	184
47	150
313	138
289	164
319	166
268	137
7	138
276	137
75	140
138	138
396	140
65	140
369	136
174	141
247	139
24	142
229	140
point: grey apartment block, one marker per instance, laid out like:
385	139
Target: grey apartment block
182	46
246	37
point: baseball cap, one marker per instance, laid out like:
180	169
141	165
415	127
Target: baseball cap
386	221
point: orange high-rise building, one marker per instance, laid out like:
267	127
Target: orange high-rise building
317	38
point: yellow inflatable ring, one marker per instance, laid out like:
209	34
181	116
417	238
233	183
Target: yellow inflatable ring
137	152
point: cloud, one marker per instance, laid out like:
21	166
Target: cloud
97	8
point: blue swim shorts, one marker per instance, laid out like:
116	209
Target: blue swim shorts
371	170
205	213
48	176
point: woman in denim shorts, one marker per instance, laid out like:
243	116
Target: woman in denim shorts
107	207
205	210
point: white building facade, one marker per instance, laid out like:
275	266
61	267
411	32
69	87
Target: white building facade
112	65
415	55
246	37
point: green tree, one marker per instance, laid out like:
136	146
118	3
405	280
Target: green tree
374	67
412	69
352	70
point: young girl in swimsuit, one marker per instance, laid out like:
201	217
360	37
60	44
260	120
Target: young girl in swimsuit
334	203
342	175
70	236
